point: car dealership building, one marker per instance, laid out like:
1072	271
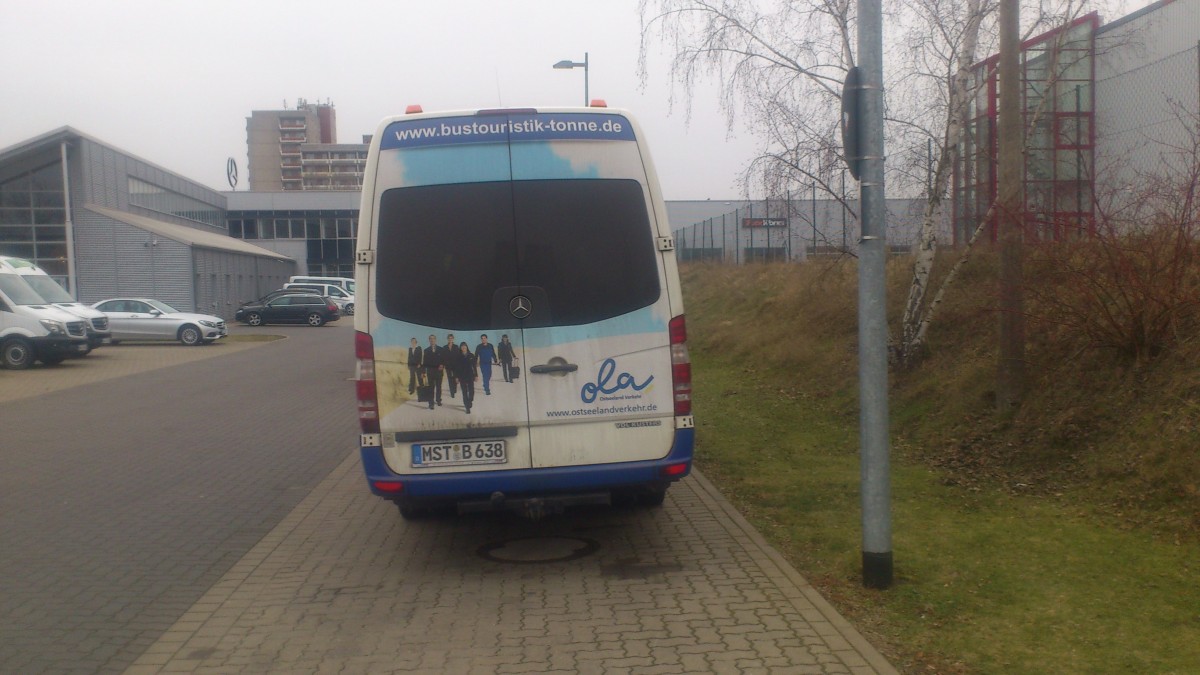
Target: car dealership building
105	223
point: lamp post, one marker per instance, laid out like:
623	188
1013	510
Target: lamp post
567	64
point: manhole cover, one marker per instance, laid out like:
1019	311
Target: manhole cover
538	549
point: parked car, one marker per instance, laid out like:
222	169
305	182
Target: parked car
343	299
275	294
148	319
312	309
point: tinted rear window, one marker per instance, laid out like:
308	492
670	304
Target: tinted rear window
452	255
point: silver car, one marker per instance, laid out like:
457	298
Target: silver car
148	319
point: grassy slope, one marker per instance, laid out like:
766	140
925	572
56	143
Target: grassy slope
1063	540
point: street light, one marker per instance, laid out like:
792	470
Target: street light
567	64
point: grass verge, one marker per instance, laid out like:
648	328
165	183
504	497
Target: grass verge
990	578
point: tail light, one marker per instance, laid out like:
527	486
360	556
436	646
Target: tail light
681	367
672	470
368	400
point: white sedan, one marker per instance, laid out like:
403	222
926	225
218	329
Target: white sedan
147	319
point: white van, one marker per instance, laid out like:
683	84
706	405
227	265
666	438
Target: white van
97	322
545	231
343	283
32	329
344	300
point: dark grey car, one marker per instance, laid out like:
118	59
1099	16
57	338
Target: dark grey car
314	310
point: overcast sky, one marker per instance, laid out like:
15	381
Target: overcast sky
172	82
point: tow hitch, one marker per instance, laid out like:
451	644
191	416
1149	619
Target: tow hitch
533	508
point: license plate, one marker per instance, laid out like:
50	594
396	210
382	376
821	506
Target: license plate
458	454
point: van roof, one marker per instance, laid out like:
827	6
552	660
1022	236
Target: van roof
17	263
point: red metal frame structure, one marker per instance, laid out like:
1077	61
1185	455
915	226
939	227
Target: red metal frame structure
1058	102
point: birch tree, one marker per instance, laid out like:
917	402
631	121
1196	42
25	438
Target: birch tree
780	64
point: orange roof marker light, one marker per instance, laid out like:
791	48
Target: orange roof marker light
598	103
413	109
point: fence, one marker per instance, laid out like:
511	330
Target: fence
795	230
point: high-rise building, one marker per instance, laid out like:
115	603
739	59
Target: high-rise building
297	149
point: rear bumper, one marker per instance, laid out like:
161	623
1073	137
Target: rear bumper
528	482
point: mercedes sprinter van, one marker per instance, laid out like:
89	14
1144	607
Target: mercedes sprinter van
341	282
54	294
32	329
521	341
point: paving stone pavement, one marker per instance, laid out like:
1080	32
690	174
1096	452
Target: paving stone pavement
344	585
108	363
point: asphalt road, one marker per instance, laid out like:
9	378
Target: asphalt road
123	500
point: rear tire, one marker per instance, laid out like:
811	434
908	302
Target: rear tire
350	309
655	497
16	354
315	320
410	511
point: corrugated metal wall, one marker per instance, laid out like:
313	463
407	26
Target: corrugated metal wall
223	280
1147	90
117	259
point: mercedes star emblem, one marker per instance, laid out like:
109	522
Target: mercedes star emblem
520	307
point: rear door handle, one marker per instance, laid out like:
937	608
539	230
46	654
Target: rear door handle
558	368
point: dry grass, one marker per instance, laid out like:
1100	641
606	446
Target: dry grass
1060	539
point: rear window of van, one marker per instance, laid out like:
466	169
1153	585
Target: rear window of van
583	247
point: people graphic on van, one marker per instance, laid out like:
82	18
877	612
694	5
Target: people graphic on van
450	357
485	354
432	357
450	360
507	356
464	372
414	365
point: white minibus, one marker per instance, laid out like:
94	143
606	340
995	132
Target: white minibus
521	341
32	329
344	283
98	331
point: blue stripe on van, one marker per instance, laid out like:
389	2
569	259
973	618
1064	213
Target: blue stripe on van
527	481
421	133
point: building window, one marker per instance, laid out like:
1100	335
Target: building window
162	200
33	217
1058	105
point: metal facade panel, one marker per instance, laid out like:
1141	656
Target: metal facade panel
153	266
109	170
96	263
